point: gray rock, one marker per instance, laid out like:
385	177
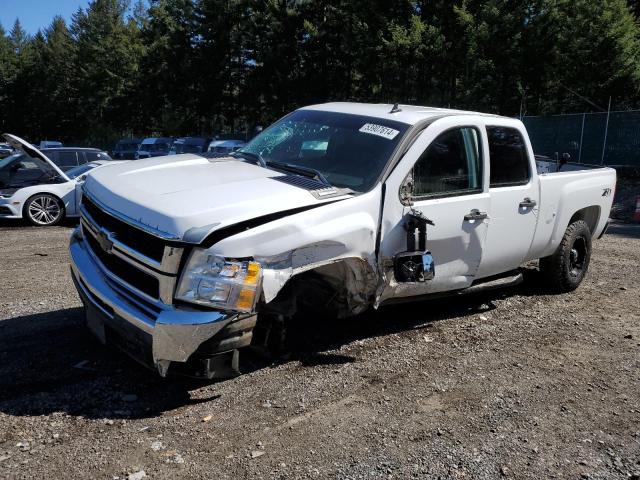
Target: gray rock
137	475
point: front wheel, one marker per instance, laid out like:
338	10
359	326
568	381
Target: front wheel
44	210
567	267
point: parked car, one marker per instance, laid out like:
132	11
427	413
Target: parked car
71	157
5	150
190	145
339	207
225	146
154	147
35	188
50	144
126	148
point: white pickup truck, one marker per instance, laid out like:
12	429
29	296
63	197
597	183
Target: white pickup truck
184	261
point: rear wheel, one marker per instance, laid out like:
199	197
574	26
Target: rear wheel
567	267
44	210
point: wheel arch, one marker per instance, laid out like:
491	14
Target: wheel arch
590	215
25	215
349	283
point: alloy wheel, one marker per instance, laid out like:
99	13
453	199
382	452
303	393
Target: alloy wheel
44	210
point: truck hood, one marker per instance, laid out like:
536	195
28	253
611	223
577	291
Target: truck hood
185	197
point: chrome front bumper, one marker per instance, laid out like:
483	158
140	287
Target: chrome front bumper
159	336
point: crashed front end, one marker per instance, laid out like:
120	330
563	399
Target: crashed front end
126	277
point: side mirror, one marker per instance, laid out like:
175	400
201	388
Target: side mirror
406	190
81	178
414	267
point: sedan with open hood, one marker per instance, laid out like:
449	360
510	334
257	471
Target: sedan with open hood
33	187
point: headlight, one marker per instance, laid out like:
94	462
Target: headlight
212	280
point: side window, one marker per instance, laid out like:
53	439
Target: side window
92	156
451	165
508	157
53	156
66	160
29	165
30	169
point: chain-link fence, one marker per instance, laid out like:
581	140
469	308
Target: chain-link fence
593	138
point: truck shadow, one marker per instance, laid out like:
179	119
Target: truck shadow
628	230
20	223
49	362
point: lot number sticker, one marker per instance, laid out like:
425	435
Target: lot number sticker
379	130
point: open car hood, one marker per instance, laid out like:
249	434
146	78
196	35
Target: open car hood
26	147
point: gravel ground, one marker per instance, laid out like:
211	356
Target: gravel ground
515	384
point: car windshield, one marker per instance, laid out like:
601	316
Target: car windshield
192	148
82	169
6	161
350	151
154	147
122	147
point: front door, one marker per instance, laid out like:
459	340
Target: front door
445	166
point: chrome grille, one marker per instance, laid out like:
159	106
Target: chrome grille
147	276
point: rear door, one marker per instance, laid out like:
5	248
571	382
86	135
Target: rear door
66	159
446	165
514	199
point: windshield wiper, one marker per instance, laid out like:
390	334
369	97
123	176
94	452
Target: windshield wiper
305	171
256	157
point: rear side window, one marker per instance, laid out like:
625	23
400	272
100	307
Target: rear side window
508	157
451	165
66	160
94	156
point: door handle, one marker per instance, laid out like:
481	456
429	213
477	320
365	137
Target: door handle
528	203
475	214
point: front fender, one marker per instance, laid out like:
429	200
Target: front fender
344	231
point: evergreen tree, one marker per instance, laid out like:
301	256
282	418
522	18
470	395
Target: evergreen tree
108	57
168	84
184	67
8	66
19	38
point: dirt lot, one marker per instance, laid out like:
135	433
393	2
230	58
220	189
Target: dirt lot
517	384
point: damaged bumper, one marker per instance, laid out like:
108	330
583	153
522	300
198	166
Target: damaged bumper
157	337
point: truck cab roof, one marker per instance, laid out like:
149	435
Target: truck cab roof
408	114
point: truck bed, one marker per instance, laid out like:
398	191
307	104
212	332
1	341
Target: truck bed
585	193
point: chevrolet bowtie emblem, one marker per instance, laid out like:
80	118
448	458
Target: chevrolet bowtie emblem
102	238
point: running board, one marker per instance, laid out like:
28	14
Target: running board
510	279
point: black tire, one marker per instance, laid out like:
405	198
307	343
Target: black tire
566	268
43	210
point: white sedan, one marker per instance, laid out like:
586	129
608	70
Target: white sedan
36	189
